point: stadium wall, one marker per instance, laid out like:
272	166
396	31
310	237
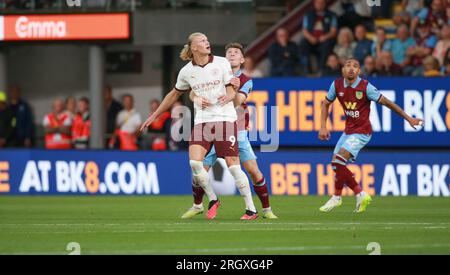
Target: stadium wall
46	72
299	173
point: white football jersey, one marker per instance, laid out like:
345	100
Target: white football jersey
208	81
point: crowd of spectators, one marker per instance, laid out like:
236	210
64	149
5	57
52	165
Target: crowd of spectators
68	125
419	45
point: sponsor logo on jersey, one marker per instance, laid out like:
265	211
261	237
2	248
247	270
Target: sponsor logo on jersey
350	105
206	85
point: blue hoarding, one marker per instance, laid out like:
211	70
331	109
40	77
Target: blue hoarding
40	172
298	103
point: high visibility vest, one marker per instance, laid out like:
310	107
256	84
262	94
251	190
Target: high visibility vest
128	141
158	123
159	144
57	140
81	130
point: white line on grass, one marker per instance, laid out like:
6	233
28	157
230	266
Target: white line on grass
329	249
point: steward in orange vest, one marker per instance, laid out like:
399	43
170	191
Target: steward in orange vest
57	127
81	128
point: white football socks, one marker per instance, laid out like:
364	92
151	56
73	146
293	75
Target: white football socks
202	178
243	185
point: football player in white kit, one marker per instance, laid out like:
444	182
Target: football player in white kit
209	77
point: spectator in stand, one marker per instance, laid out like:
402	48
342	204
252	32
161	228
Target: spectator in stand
412	6
448	14
71	106
400	46
58	126
434	16
369	69
354	12
283	55
345	46
388	66
333	67
425	43
7	122
24	130
382	11
250	69
158	128
380	43
402	17
431	67
446	67
319	33
442	45
81	128
363	45
128	124
113	107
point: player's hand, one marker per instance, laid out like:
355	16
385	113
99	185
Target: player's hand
415	122
324	134
202	102
236	82
225	99
147	123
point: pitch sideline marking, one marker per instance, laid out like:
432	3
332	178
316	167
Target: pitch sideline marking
243	249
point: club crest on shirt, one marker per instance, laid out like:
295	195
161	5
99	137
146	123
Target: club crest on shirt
341	94
359	94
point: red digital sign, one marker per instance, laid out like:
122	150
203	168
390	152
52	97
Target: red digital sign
112	26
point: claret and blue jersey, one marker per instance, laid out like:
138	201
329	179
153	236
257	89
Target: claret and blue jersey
355	99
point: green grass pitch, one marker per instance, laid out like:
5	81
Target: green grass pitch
151	225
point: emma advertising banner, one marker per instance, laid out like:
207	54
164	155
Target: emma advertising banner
40	172
60	27
298	103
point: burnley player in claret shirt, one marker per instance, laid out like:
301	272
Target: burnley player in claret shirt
355	96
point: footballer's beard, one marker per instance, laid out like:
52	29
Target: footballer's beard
350	76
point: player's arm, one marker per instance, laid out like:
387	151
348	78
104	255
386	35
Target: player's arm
227	77
394	107
200	101
168	101
242	92
229	96
239	99
324	133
